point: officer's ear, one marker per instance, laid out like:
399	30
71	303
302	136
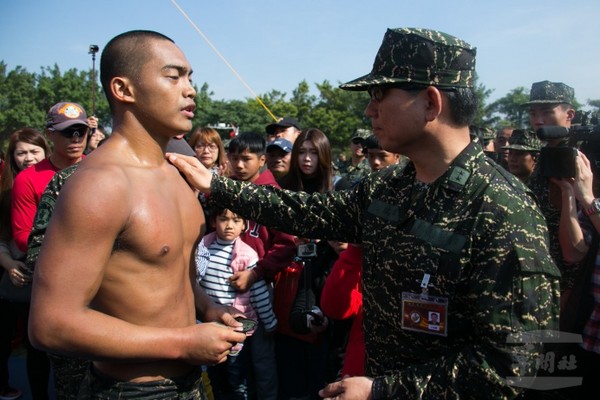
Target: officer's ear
433	103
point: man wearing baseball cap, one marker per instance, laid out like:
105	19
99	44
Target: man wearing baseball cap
67	127
450	233
278	157
287	128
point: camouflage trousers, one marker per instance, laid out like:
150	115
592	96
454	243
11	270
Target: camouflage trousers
99	387
69	373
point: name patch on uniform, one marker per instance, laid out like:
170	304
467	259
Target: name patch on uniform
385	211
438	237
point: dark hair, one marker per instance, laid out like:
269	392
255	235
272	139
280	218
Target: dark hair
216	211
371	142
251	141
294	179
462	102
124	56
26	135
463	105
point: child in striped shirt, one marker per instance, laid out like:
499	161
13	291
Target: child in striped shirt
221	254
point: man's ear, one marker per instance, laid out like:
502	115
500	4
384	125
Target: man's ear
570	114
433	103
122	89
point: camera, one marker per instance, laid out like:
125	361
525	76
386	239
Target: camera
307	250
559	161
93	49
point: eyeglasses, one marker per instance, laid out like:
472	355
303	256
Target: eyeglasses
69	133
376	92
357	141
211	147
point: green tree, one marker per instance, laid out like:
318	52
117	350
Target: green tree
73	85
18	106
509	108
338	113
482	116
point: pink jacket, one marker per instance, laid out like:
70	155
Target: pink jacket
243	256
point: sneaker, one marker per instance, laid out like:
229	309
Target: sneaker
10	394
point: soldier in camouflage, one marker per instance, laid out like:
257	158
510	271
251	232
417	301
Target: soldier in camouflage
357	166
551	103
523	151
452	235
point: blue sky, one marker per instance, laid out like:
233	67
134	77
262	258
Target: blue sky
276	44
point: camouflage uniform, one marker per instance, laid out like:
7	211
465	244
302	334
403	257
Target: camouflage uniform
487	253
524	140
475	232
188	387
549	93
354	173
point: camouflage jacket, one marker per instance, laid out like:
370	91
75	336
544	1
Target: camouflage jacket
44	212
354	173
476	231
540	186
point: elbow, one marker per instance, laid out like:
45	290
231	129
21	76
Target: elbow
574	256
43	333
38	338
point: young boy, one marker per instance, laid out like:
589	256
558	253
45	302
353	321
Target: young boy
275	252
227	255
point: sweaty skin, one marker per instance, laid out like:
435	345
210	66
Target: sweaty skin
115	281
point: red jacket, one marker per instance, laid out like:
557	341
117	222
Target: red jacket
27	191
275	249
342	298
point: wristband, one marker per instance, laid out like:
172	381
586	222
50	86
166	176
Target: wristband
594	208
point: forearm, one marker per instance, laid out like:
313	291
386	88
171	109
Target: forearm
331	215
571	237
98	336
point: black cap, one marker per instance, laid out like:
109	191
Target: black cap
283	122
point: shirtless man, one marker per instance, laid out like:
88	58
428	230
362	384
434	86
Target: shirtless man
115	280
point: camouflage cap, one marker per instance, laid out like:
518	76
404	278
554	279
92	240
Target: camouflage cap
546	92
421	56
482	132
361	133
522	139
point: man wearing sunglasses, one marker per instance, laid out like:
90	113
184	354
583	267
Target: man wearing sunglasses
452	233
67	127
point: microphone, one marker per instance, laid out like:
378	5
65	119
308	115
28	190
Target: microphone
549	132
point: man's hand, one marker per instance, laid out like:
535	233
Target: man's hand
211	343
92	122
196	174
583	184
355	388
242	280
